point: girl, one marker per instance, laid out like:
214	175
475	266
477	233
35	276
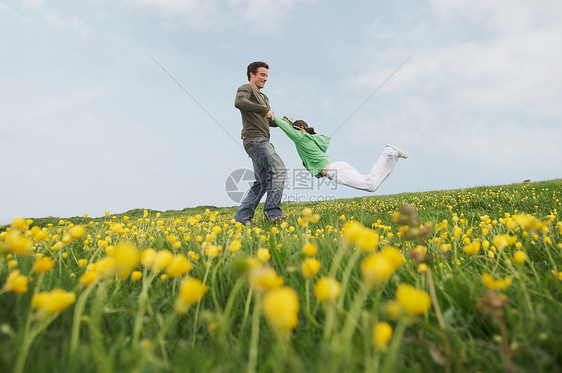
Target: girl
312	150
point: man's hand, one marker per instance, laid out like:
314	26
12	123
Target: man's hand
269	115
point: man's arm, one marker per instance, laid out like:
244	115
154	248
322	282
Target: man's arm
242	102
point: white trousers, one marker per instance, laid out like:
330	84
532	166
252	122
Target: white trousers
345	174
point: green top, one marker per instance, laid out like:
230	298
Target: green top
311	148
253	106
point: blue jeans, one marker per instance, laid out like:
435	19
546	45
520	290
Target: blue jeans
269	171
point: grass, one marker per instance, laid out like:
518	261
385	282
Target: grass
117	324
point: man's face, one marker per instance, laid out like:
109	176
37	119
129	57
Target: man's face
259	78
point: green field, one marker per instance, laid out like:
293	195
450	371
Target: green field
449	281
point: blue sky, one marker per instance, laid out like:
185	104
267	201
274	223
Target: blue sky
89	122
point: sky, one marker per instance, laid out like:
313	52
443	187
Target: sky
111	105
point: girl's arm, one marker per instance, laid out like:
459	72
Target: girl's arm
289	130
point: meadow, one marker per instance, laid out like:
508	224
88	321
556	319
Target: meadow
447	281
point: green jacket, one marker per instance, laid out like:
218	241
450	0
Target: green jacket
253	106
311	148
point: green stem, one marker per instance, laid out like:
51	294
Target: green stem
345	279
143	299
253	358
394	347
195	322
78	310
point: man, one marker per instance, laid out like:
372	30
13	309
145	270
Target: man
269	169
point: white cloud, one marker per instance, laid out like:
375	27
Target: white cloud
58	20
512	67
203	14
265	15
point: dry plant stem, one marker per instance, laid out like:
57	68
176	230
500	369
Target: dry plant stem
507	353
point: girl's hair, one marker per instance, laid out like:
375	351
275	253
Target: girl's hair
302	124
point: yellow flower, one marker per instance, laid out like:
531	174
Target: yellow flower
82	263
415	301
179	266
457	231
265	278
136	275
88	278
192	291
520	256
379	267
263	254
16	282
126	257
352	231
12	264
212	251
503	240
18	244
422	268
77	232
54	301
162	260
310	267
235	246
148	257
43	265
310	249
393	309
327	289
495	284
441	226
281	308
368	240
39	234
381	335
394	257
472	248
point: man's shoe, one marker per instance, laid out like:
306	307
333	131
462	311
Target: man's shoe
401	153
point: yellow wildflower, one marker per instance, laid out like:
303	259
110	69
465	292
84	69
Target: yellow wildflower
235	246
179	266
382	333
43	265
496	284
162	260
136	275
77	232
310	249
520	257
16	282
327	289
127	257
310	267
18	244
281	308
265	278
192	291
54	301
263	254
415	301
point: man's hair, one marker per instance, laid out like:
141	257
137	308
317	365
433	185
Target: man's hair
254	66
